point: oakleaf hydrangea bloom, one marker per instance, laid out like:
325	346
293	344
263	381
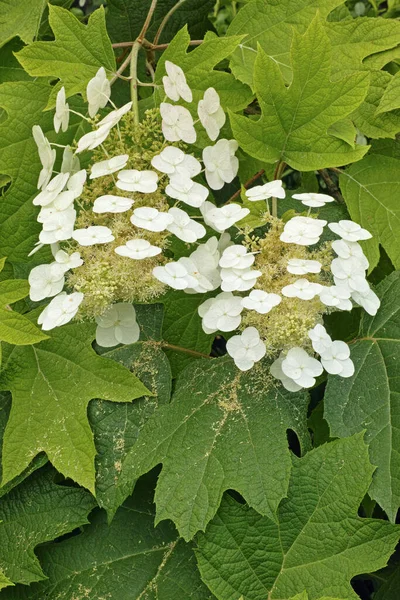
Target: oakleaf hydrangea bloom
239	280
61	117
68	261
60	311
132	180
221	313
184	227
98	92
303	289
109	166
336	359
268	190
47	156
336	296
350	231
46	281
151	219
237	257
176	275
117	325
177	123
112	204
304	231
211	114
182	188
301	266
173	160
223	217
261	301
221	163
320	338
95	234
313	200
246	349
175	85
138	249
301	368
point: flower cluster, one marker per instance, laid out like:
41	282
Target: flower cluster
112	230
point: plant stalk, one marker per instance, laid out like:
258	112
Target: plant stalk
133	83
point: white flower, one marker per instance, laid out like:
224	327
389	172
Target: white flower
276	371
175	275
224	217
313	200
174	83
349	273
68	261
117	325
301	368
320	339
91	140
224	242
151	219
239	280
303	289
203	284
59	226
52	189
98	92
95	234
76	182
61	117
336	359
60	311
106	167
221	163
177	123
260	301
132	180
47	156
268	190
350	250
237	257
206	257
173	160
211	114
337	296
246	349
138	249
304	231
368	300
184	227
299	266
62	202
182	188
112	204
114	116
45	281
221	313
350	231
70	162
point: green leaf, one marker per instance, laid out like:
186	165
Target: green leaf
37	511
76	54
317	542
4	581
295	120
127	560
52	384
10	69
13	290
391	97
389	590
369	400
370	189
16	20
18	330
223	429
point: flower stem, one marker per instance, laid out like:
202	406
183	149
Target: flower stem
133	84
185	350
146	24
246	185
166	19
280	167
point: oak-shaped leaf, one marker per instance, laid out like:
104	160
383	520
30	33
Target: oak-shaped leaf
317	542
224	429
295	120
16	20
370	399
51	385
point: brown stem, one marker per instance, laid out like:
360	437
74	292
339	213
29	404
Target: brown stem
333	189
246	185
122	68
185	350
151	46
146	24
336	170
280	167
166	19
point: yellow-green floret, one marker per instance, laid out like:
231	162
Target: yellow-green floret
287	324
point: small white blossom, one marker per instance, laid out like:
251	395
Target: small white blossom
115	116
98	92
337	296
52	189
173	160
45	281
68	261
70	162
177	123
320	339
368	300
349	273
313	200
190	192
47	156
238	280
260	301
175	275
221	163
106	167
62	202
184	227
206	257
76	183
350	231
268	190
304	231
211	114
300	266
151	219
350	250
203	284
58	227
301	368
224	217
61	117
221	313
112	204
95	234
276	371
174	83
91	140
303	289
131	180
246	349
60	311
138	249
236	256
117	325
336	359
